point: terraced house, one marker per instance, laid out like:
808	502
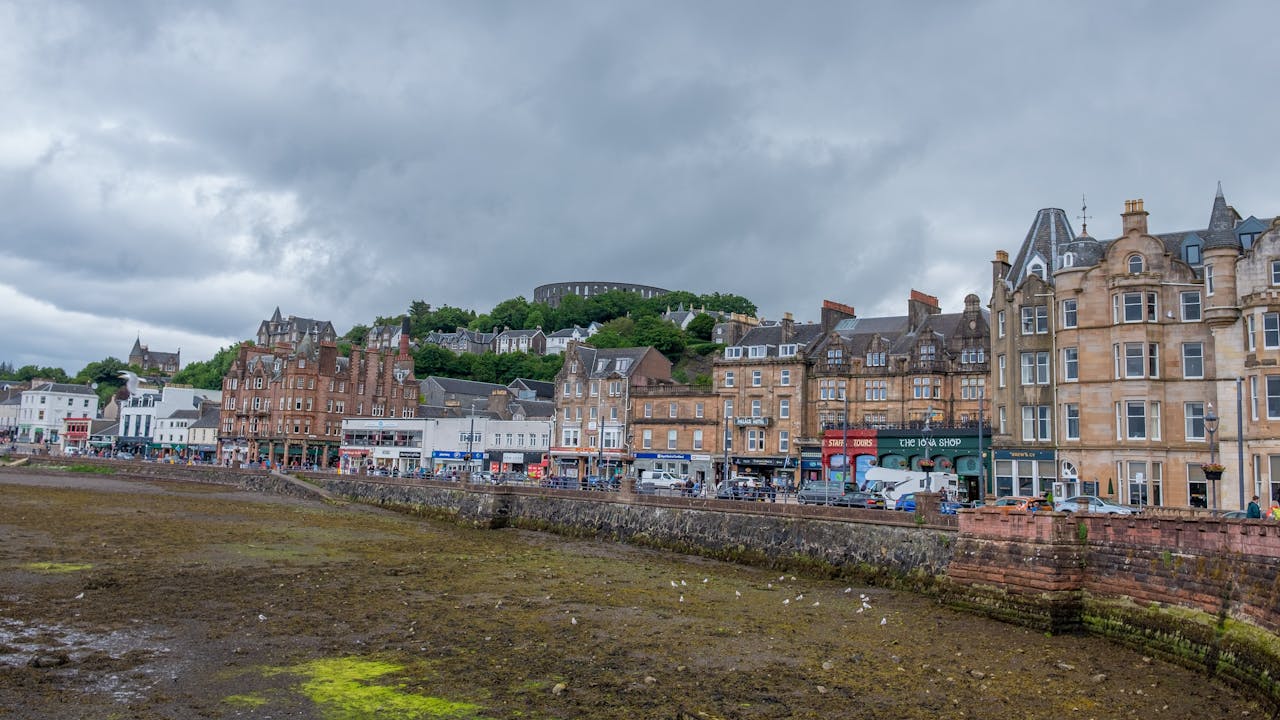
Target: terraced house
760	384
1117	360
285	403
592	435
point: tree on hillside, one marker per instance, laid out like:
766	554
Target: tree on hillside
615	304
357	335
207	374
661	334
435	360
727	303
572	311
701	327
105	374
31	372
673	300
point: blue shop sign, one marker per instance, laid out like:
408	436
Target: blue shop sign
459	455
662	456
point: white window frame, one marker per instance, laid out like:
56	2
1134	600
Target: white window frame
1071	421
1189	299
1070	313
1193	421
1187	360
1070	364
729	378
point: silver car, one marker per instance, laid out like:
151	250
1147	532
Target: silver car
1094	504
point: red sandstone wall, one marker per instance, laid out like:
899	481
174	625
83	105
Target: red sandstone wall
1187	562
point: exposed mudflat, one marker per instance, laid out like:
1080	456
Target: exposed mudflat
146	599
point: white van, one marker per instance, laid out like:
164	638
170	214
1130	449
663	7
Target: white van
661	480
893	484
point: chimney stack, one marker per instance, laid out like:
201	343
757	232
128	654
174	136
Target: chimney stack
1134	217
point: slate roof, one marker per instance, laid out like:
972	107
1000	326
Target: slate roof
184	415
540	388
1048	230
591	358
209	419
65	388
773	335
462	387
534	409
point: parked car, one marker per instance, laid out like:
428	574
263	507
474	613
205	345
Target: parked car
860	499
1009	503
124	456
661	480
1095	504
907	503
821	493
1233	514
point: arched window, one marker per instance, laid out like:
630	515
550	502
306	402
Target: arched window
1135	264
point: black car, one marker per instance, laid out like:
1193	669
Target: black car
860	499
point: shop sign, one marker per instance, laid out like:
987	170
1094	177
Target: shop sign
761	461
458	454
932	443
854	442
513	458
664	456
410	454
1023	454
752	421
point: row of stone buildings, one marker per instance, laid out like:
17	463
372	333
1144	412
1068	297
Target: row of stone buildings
1105	367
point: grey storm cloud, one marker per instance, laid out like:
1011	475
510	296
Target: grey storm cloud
177	170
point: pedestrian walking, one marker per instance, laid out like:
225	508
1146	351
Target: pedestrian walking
1254	510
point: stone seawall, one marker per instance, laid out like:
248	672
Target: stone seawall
1203	593
897	554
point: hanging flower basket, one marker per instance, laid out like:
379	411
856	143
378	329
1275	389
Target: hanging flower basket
926	465
1213	471
946	464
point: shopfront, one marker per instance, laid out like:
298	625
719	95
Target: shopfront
780	468
859	455
1026	473
952	450
811	466
456	462
698	467
524	463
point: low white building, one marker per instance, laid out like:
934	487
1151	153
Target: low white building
444	445
559	340
45	407
148	424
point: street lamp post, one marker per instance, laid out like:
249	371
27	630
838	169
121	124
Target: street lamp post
471	434
982	465
728	423
925	433
1211	427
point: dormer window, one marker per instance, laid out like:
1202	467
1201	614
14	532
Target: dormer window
732	353
1246	239
623	364
1037	268
1191	253
1135	264
757	351
787	350
601	365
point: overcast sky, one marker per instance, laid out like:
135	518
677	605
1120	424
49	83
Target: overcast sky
179	169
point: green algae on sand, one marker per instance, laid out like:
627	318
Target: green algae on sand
52	568
345	689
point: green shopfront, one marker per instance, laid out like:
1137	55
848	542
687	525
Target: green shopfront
952	450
